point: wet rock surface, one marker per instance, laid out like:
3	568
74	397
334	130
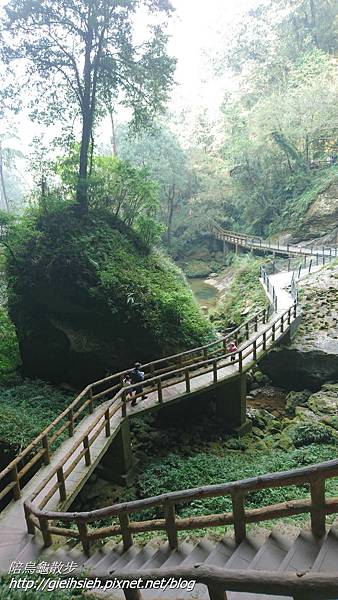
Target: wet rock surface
312	358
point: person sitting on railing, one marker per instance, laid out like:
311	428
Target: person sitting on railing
233	349
136	377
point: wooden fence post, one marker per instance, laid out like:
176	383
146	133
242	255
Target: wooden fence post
239	516
46	535
87	448
159	390
71	422
62	485
91	404
15	478
83	532
256	323
247	335
240	361
126	534
214	367
273	332
107	422
29	522
317	488
216	591
45	444
282	324
124	403
264	340
170	525
187	381
254	350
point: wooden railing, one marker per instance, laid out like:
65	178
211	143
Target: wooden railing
317	505
323	254
301	585
38	452
56	479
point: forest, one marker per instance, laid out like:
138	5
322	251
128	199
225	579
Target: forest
110	191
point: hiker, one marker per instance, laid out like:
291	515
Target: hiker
126	383
233	349
136	377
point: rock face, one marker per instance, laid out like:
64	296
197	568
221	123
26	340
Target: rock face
322	214
88	298
312	358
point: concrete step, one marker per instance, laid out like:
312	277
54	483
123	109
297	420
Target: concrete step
221	553
161	555
124	559
327	559
268	558
179	555
12	542
244	553
144	555
200	553
302	553
102	561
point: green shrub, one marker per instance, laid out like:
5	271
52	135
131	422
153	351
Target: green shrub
9	351
26	409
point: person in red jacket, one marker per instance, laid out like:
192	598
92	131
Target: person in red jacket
233	349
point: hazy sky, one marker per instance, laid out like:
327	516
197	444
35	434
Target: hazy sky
198	27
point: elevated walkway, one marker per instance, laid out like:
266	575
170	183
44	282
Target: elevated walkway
53	477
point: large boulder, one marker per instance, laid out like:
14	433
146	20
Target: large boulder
312	358
88	298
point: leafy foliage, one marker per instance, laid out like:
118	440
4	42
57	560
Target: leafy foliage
244	296
81	58
9	351
177	472
104	297
26	409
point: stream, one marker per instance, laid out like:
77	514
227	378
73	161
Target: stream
205	294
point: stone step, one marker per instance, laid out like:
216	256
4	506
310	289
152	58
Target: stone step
104	560
268	558
221	553
144	555
302	553
327	559
244	553
200	553
12	542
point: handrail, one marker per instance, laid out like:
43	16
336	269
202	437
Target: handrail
251	350
42	444
309	585
329	252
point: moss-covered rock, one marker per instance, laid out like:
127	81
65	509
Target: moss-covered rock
312	358
88	297
326	400
294	399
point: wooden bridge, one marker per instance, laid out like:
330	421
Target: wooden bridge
42	482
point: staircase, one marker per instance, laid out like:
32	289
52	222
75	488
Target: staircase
295	552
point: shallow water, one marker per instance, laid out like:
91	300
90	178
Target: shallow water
206	295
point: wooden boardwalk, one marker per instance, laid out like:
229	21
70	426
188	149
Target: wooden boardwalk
56	484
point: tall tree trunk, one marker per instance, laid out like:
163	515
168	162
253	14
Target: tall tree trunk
87	126
2	180
113	132
171	198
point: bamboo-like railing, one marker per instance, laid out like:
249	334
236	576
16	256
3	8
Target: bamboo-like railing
323	254
317	505
56	479
23	467
301	585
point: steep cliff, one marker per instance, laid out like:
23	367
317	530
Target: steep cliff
312	358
